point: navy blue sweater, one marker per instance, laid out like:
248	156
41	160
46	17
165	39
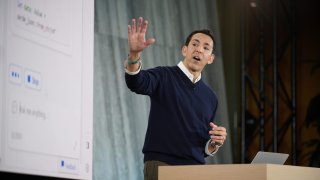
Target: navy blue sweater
180	113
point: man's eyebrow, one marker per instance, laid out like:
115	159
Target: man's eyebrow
198	41
207	44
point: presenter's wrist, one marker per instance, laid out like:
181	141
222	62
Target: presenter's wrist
131	62
215	144
133	56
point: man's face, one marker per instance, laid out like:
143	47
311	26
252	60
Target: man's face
198	53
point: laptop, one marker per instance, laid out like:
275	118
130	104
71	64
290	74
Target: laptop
269	158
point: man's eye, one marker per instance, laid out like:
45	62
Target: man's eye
208	49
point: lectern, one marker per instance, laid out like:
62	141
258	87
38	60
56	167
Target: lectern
238	172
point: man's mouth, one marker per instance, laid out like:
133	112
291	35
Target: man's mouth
197	58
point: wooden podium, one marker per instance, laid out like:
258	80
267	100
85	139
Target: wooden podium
238	171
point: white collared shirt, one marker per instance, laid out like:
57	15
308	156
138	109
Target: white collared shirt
187	72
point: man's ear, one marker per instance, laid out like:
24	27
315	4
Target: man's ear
184	51
211	59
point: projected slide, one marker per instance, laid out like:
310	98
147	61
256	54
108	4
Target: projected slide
46	82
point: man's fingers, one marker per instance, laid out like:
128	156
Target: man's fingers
129	29
213	125
133	25
145	26
139	24
139	28
136	35
150	41
220	128
220	131
218	134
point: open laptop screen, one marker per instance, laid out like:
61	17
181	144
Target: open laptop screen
269	158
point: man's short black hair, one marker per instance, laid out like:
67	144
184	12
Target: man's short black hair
203	31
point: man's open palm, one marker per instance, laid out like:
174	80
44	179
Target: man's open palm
136	36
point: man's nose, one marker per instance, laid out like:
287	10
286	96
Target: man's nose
199	49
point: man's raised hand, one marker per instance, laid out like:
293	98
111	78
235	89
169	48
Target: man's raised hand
136	37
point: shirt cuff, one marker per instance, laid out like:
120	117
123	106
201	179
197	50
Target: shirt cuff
134	72
207	148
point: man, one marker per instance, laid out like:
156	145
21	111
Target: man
180	129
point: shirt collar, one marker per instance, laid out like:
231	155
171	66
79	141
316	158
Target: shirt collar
187	72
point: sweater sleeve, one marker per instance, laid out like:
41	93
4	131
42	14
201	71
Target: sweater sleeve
145	82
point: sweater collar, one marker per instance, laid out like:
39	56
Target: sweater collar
187	72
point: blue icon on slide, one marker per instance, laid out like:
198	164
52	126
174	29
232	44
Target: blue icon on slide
33	79
29	78
15	76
